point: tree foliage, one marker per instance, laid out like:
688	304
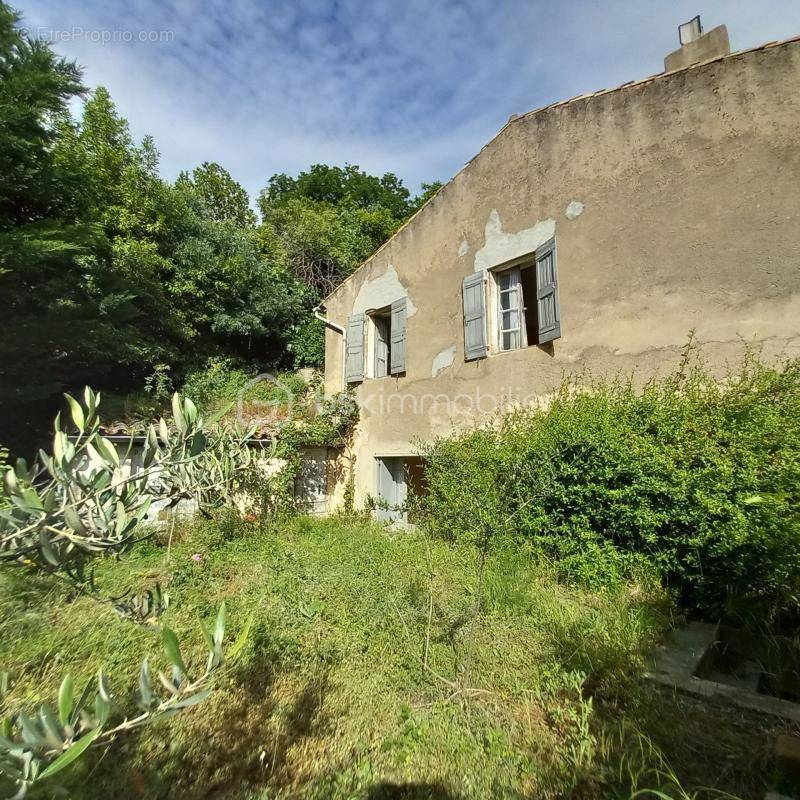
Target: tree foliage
79	502
338	186
109	273
36	748
223	199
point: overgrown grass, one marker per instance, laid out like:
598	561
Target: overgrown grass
332	697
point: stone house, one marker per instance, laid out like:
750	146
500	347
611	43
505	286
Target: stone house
594	233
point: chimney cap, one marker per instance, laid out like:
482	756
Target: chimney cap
690	31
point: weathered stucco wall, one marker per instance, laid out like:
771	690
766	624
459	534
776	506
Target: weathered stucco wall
675	204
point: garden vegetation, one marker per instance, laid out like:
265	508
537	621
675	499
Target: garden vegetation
695	478
496	650
350	681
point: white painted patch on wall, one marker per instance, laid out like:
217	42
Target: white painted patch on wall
463	248
501	246
443	360
382	291
574	209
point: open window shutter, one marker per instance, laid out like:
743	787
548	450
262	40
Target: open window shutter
549	315
474	316
398	356
354	366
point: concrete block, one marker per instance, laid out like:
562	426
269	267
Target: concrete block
682	655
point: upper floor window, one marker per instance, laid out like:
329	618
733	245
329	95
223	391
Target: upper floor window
381	335
375	343
524	309
511	309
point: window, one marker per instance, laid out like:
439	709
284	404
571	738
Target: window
396	478
391	488
510	311
517	307
311	481
523	309
382	342
381	336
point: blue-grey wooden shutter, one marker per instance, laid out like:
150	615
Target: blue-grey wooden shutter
354	358
398	354
474	316
392	489
548	312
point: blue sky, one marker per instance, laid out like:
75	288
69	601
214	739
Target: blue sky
414	87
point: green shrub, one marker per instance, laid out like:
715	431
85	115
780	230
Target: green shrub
223	380
307	343
217	381
700	478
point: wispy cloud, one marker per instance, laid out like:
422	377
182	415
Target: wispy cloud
412	87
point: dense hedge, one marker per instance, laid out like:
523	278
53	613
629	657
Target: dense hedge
696	478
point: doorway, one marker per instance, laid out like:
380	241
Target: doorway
396	476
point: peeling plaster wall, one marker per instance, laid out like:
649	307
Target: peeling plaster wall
675	206
381	291
443	360
574	210
501	246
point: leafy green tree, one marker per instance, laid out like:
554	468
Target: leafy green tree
223	198
428	191
236	299
163	279
35	88
348	185
40	237
78	502
108	272
322	225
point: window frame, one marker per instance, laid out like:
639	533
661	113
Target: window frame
514	293
494	317
494	309
373	338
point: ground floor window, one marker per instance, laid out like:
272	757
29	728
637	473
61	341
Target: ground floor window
311	481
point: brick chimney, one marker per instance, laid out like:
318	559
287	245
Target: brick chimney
697	46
